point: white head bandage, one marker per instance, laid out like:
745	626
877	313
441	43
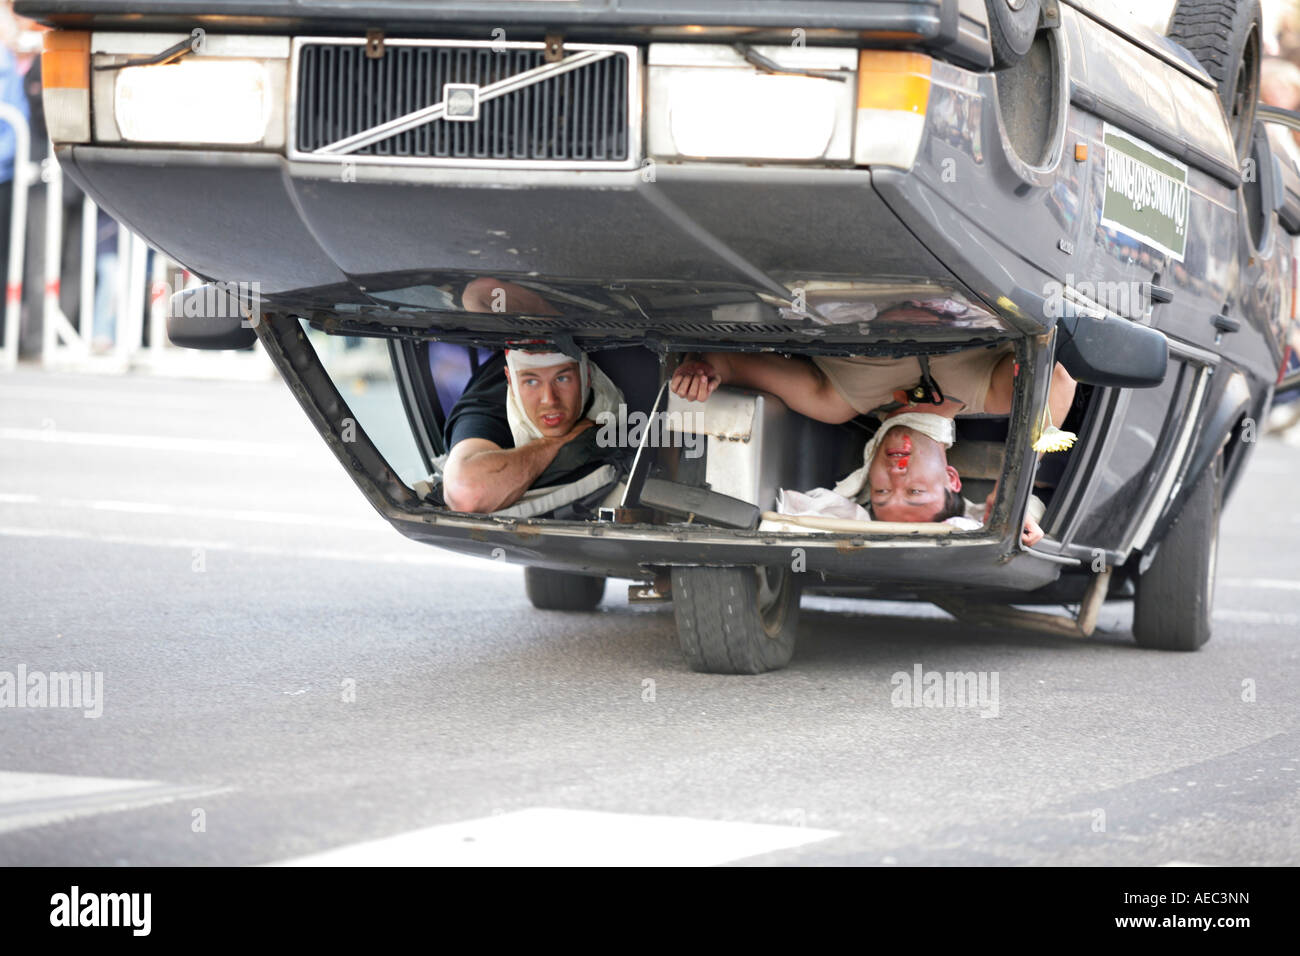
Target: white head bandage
606	400
933	426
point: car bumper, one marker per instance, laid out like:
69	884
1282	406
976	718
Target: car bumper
319	246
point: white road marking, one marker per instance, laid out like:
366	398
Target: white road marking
1274	584
873	607
434	559
39	799
919	610
550	837
222	514
1261	467
1257	617
170	400
173	443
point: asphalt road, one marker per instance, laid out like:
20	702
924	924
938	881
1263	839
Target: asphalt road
283	676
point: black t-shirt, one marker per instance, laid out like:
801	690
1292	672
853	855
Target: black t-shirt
480	412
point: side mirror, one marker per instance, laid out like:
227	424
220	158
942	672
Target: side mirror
211	316
1111	351
1096	349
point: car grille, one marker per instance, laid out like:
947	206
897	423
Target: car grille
577	118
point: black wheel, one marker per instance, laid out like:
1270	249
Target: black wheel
562	590
736	620
1224	36
1175	598
1012	25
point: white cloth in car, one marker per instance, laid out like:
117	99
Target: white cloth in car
824	503
821	502
606	401
929	424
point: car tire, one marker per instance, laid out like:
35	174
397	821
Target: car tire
1012	25
1226	38
562	590
1173	607
736	620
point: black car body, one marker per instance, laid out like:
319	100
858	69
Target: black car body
1090	194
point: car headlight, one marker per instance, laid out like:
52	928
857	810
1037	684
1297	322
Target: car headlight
222	101
707	102
221	90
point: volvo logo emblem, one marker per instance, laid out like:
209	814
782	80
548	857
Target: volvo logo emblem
460	102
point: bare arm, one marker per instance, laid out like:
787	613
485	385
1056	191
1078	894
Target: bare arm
1060	395
1002	388
481	476
486	294
800	384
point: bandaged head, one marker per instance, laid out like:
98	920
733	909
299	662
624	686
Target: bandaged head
598	393
932	426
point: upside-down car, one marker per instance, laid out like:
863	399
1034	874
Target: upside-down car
803	177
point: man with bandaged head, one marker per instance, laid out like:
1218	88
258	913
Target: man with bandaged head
551	399
905	475
527	428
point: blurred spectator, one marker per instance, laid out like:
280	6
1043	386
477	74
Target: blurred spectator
27	49
11	93
105	324
1279	85
1282	29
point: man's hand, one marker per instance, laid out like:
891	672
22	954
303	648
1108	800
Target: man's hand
575	431
1030	534
695	380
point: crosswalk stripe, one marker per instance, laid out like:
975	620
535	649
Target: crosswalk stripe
543	836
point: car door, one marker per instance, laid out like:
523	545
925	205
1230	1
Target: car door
1133	444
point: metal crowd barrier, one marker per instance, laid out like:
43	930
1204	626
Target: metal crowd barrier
66	345
17	231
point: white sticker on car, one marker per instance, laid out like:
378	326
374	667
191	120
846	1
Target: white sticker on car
1146	195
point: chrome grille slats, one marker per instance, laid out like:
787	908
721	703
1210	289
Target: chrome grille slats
579	117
